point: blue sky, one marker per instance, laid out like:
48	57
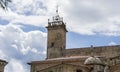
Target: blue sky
23	35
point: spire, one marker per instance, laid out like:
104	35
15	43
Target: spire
57	9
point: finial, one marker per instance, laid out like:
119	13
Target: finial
91	46
92	51
57	9
48	20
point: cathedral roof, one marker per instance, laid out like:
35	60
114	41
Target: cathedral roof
62	59
66	58
58	65
93	60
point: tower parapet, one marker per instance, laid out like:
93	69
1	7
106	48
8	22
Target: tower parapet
56	22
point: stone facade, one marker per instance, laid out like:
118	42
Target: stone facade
59	65
103	51
2	65
60	59
56	40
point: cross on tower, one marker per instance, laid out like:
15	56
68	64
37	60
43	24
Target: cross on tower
57	9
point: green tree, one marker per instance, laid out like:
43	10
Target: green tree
4	4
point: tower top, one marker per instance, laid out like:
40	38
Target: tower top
56	20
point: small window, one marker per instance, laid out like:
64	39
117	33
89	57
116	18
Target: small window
50	71
52	44
91	69
79	70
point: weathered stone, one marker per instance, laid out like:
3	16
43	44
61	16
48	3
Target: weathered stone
2	65
60	59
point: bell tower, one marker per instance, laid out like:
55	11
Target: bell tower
56	39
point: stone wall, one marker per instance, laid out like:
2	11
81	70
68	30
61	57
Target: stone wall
56	41
63	68
1	68
115	68
104	51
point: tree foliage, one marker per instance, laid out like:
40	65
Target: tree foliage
4	4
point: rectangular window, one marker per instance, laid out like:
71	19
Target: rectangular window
78	70
52	44
50	71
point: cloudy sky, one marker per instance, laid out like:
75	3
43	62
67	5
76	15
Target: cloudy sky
23	33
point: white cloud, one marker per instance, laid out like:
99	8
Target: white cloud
16	38
14	18
19	45
28	7
93	17
15	66
82	16
2	55
88	17
112	43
